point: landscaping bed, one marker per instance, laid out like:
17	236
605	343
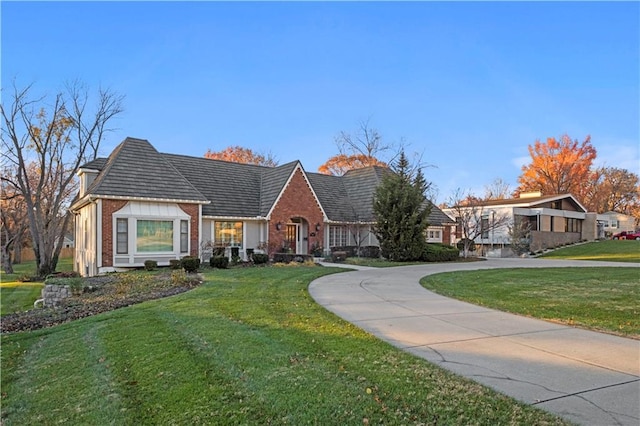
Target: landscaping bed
102	294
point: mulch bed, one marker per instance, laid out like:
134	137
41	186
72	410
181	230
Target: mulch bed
105	295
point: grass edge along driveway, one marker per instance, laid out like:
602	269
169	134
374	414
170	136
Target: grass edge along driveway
605	299
248	347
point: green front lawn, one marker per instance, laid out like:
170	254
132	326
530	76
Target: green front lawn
249	346
18	296
602	299
607	250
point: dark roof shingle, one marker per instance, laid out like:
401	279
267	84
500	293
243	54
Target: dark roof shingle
135	169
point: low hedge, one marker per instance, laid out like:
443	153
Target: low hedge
190	264
291	257
150	265
220	262
436	252
260	258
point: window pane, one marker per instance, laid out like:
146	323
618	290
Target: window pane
184	236
154	236
122	236
228	233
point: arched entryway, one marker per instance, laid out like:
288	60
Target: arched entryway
297	235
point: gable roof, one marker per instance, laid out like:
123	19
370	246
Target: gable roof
533	201
136	170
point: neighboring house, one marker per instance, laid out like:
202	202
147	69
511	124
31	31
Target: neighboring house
614	222
553	221
140	204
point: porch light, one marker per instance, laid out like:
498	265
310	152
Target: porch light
317	226
279	226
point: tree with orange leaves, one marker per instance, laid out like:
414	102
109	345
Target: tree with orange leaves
355	152
558	167
342	163
238	154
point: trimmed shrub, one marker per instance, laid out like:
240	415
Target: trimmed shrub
291	257
472	244
150	265
175	264
338	256
190	264
436	252
260	258
220	262
372	252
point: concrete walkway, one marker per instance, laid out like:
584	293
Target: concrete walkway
586	377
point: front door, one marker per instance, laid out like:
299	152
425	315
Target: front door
292	237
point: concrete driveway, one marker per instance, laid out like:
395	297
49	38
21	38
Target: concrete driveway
586	377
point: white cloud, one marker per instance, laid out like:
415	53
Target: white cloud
624	156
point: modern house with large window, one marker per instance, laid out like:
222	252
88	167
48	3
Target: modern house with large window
139	204
549	221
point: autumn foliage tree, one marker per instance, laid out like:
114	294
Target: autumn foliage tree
238	154
558	166
613	189
363	149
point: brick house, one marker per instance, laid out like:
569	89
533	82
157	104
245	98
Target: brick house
139	204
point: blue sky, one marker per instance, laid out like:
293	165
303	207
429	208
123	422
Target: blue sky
466	85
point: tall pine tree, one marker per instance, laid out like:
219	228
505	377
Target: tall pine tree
401	211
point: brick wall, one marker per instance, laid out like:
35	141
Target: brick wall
297	201
109	207
193	211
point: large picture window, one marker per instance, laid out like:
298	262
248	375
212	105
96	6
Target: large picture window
154	236
228	233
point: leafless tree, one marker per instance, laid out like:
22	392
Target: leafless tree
13	225
497	190
473	218
44	141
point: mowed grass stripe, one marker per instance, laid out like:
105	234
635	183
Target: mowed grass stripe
62	380
19	297
247	347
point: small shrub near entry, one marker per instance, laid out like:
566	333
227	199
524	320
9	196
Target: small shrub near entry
338	256
150	265
175	264
190	264
435	252
260	258
220	262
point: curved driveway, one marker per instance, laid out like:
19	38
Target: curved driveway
587	377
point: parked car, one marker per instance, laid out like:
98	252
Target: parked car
624	235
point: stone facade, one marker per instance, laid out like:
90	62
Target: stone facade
53	294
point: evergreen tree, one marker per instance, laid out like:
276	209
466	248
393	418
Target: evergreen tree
401	211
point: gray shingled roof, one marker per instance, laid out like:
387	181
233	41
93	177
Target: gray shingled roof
136	169
272	183
97	164
333	197
232	188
